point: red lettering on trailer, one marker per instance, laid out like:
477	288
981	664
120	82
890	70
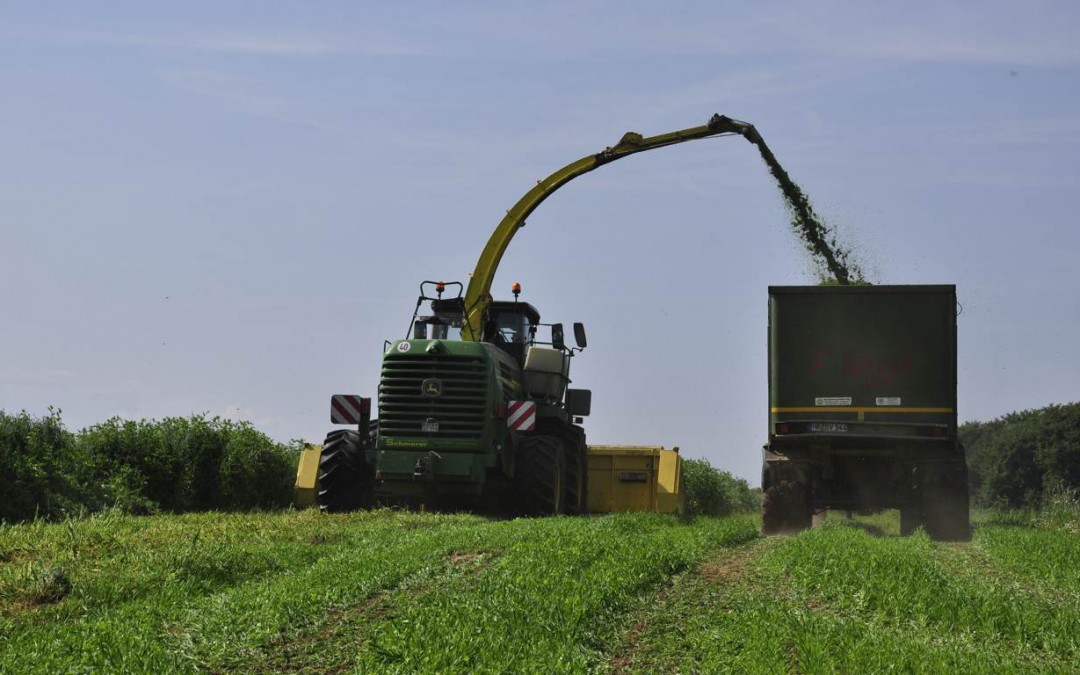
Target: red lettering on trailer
521	415
818	361
874	370
349	409
879	371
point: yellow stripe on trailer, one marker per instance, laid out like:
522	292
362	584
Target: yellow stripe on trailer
635	478
852	409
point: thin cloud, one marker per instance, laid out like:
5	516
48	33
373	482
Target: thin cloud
922	46
300	45
250	43
995	33
248	96
18	376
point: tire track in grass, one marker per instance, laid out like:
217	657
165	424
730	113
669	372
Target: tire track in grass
1058	561
333	644
292	607
554	600
909	593
838	600
909	587
183	624
975	565
723	568
1035	572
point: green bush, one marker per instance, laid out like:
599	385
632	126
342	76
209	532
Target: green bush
1017	459
36	467
1060	509
711	492
176	464
255	473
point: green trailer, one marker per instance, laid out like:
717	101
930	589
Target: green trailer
862	407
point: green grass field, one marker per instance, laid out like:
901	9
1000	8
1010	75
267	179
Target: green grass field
394	592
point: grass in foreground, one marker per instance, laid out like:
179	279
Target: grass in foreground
840	600
392	592
372	592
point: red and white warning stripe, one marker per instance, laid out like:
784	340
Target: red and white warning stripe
349	409
521	415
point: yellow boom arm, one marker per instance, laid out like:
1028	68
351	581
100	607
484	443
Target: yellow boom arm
478	294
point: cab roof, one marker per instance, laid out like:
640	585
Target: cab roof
512	306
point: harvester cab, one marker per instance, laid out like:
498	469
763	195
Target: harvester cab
512	326
447	314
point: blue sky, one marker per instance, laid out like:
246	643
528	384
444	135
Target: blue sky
229	208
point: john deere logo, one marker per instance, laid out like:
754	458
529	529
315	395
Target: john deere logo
431	388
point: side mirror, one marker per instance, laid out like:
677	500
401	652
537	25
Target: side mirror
579	335
557	338
579	402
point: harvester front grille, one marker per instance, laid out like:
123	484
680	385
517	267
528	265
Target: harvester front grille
409	404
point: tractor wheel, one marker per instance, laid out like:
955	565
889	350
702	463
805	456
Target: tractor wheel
577	472
910	520
540	473
785	507
346	481
945	502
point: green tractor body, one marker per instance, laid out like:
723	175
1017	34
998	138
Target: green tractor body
442	420
486	425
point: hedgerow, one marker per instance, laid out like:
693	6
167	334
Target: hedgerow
712	492
1020	459
174	465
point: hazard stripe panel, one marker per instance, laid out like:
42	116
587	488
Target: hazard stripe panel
521	415
349	408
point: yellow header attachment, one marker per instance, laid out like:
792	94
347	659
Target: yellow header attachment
635	478
478	294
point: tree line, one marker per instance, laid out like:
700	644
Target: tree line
172	465
1018	459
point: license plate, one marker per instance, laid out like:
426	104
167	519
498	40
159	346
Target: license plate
430	426
829	427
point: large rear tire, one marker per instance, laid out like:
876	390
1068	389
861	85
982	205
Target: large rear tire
945	502
910	520
785	508
540	473
346	481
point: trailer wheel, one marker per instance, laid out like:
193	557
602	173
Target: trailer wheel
910	520
540	473
945	502
346	481
785	507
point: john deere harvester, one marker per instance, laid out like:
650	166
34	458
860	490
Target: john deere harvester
465	422
474	405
